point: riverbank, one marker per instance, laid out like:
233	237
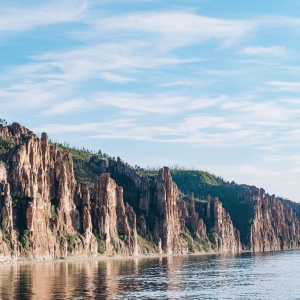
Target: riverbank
79	258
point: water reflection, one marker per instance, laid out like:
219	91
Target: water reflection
247	276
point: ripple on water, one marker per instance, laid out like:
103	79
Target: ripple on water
245	276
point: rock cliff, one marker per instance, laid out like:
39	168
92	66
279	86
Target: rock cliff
47	213
275	225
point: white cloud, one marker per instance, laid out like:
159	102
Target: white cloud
285	86
206	102
14	19
67	107
109	62
157	103
115	78
176	29
187	82
85	127
273	50
30	95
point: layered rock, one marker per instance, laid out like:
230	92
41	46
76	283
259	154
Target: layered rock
173	221
39	173
224	235
6	215
275	225
45	213
115	221
167	224
191	223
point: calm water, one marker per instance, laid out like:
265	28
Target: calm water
246	276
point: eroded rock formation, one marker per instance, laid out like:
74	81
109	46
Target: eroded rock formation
224	235
46	213
275	225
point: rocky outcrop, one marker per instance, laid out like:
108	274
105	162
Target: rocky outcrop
6	216
275	225
116	223
38	175
223	234
171	219
167	224
46	213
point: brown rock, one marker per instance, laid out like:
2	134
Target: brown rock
116	223
167	225
223	234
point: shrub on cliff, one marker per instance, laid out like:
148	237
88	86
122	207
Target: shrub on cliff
6	146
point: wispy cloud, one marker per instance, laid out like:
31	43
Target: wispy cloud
285	86
206	102
189	83
177	29
273	50
85	127
131	102
16	19
67	107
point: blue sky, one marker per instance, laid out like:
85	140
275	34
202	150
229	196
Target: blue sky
206	84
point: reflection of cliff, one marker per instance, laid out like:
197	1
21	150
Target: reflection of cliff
45	213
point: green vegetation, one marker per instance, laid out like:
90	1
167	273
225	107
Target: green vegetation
100	241
188	237
6	235
205	245
101	246
116	245
72	241
25	239
197	182
6	148
85	162
88	165
203	184
146	245
54	207
3	122
19	206
53	211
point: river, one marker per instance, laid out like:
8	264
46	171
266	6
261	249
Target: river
274	275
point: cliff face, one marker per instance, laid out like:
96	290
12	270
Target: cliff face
223	234
45	213
170	217
167	225
275	224
115	221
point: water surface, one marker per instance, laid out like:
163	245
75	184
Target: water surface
247	276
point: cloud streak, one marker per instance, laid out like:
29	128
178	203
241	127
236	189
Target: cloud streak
16	19
273	50
176	29
285	86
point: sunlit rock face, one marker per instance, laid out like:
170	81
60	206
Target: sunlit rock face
115	220
41	181
225	236
275	225
45	213
170	217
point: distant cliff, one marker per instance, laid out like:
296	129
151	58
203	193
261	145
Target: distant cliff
56	202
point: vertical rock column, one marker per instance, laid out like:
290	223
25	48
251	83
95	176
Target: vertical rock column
275	225
6	216
167	225
116	223
225	236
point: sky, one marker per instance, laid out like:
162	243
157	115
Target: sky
207	84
